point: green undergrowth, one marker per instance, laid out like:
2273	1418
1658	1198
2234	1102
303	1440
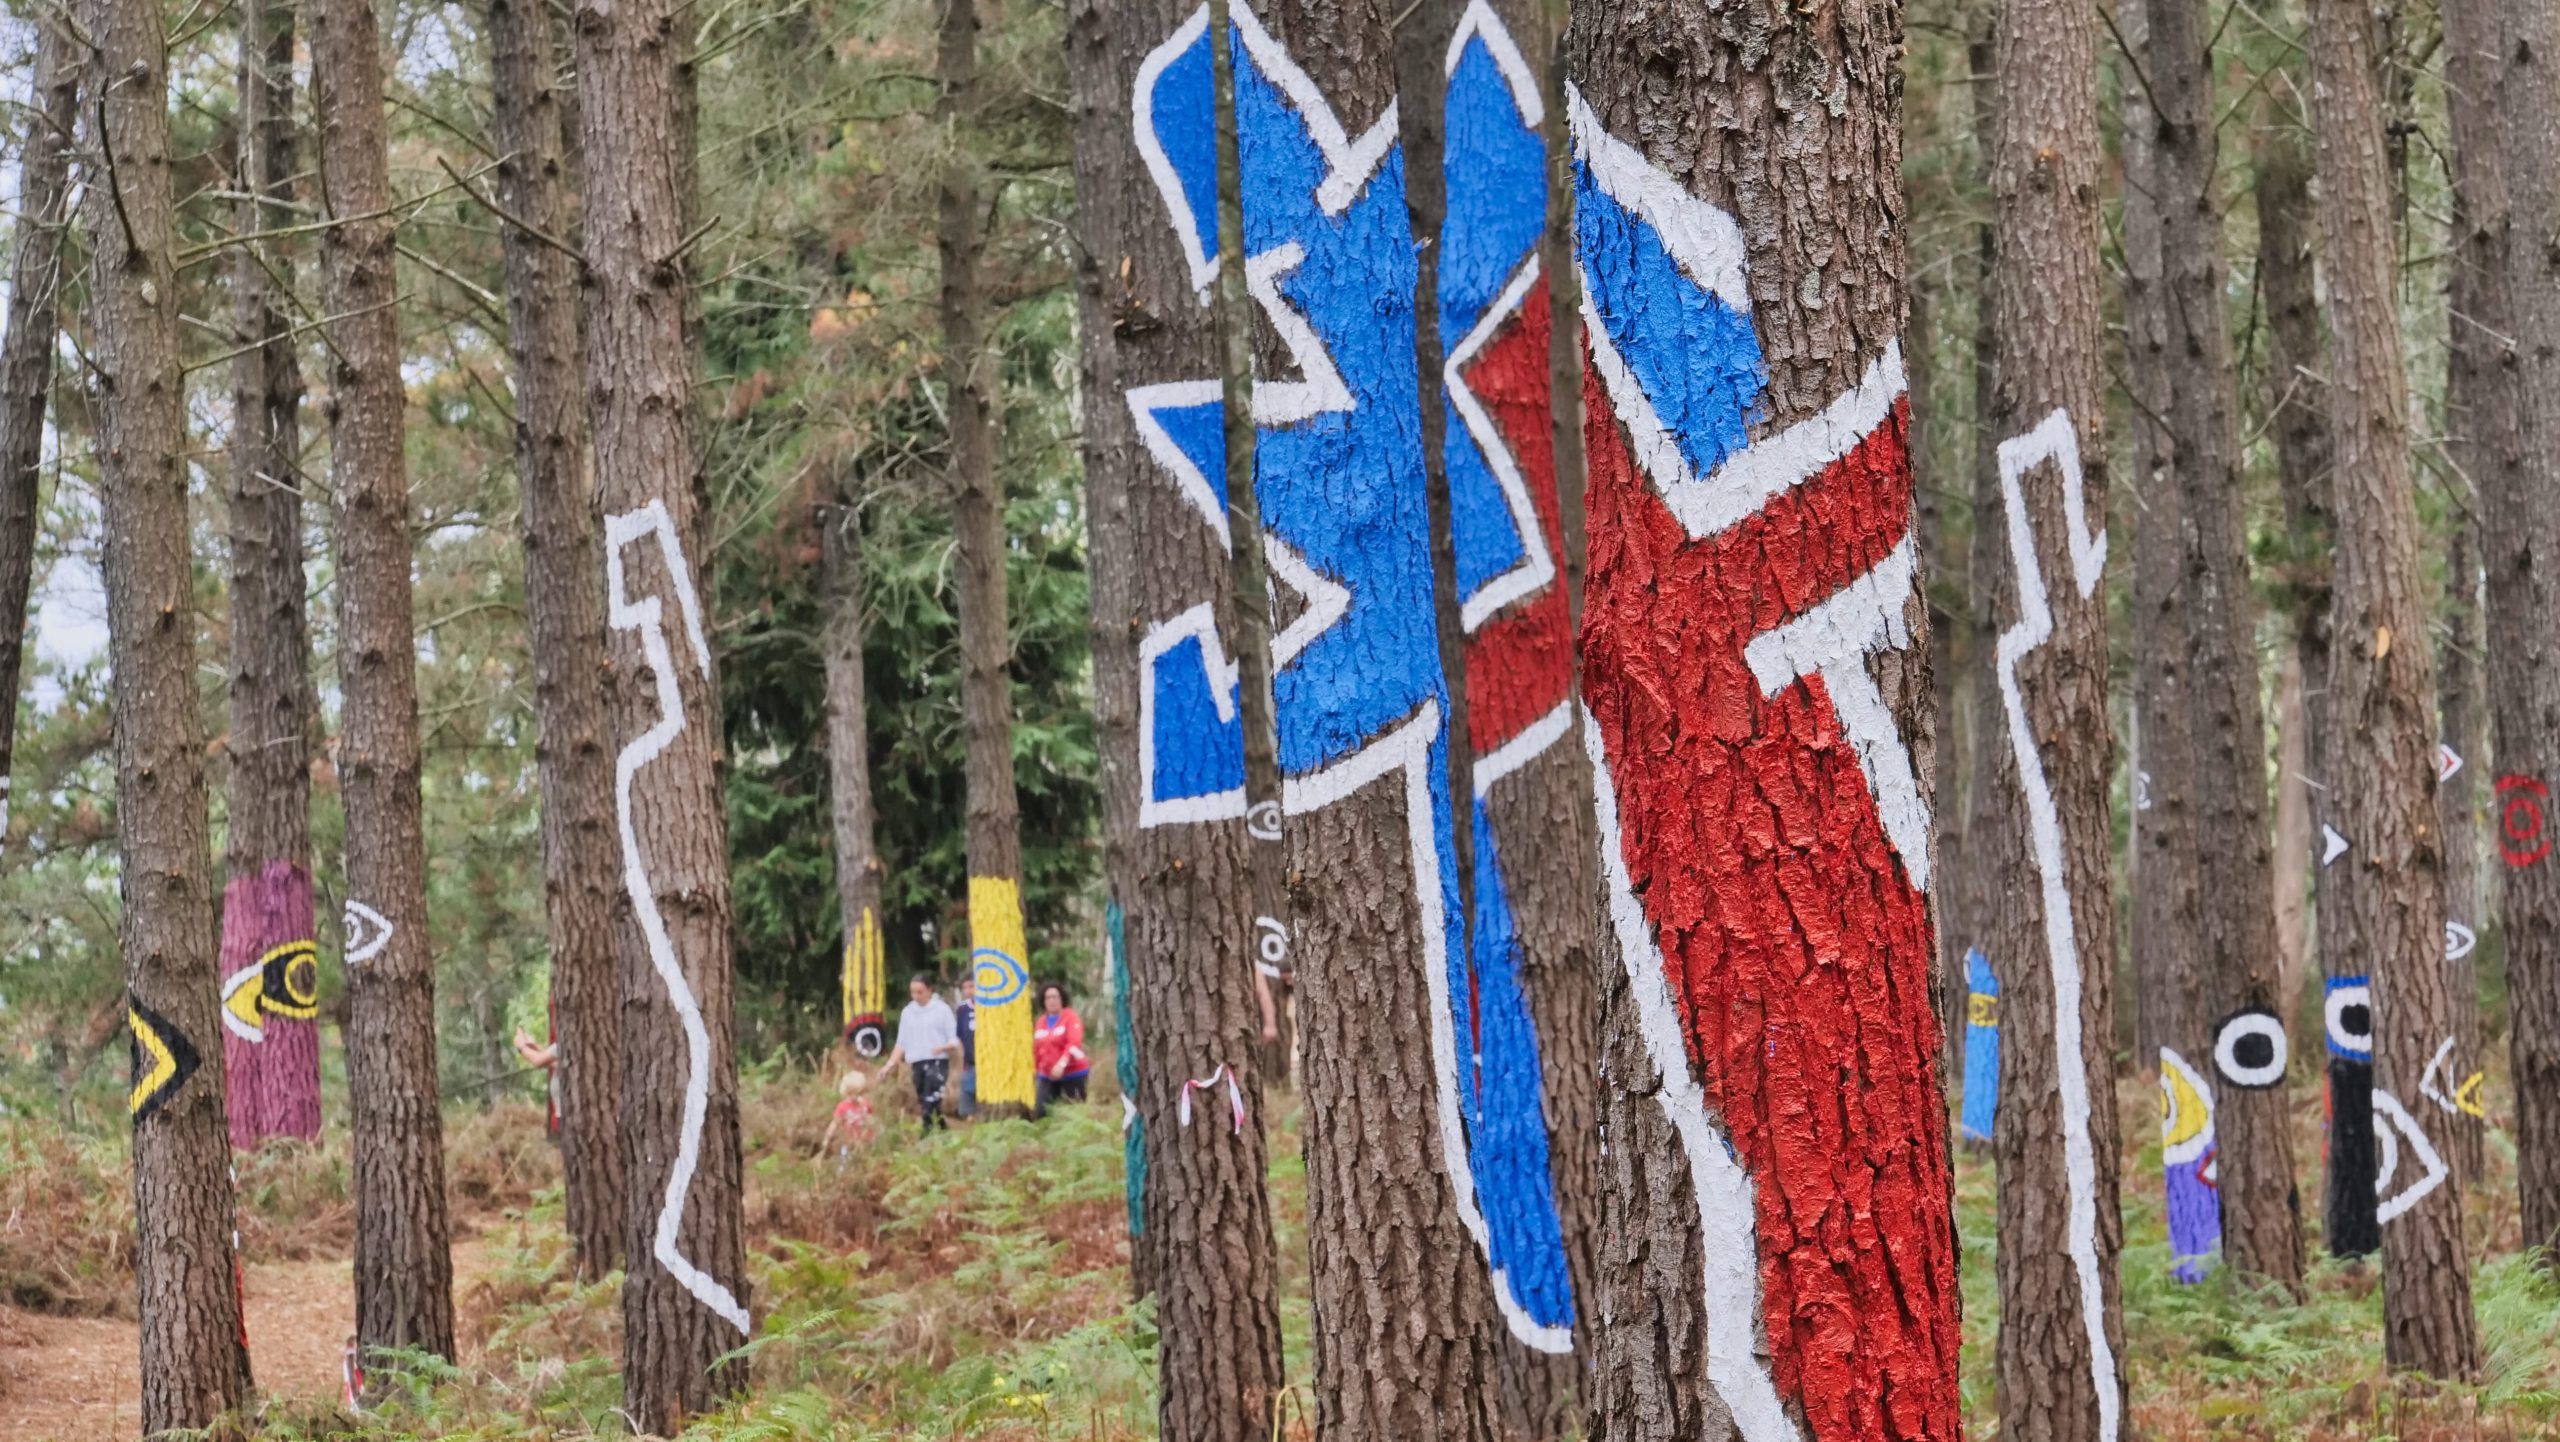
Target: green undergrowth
974	1284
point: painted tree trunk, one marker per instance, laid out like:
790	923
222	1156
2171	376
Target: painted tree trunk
26	353
999	952
564	604
865	979
2169	985
2525	686
1778	1254
1530	1015
684	1303
2060	1227
1171	702
2298	406
2382	685
270	969
195	1358
2461	701
1990	851
404	1260
2251	1142
1407	1259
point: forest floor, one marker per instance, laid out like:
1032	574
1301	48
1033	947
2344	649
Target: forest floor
975	1284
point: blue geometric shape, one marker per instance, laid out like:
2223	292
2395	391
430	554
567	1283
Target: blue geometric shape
1196	734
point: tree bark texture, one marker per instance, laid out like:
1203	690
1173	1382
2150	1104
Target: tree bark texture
2462	700
1778	1255
1406	1208
1531	1015
270	967
684	1304
858	869
2298	407
404	1260
2060	1228
1167	696
2169	984
2261	1231
1990	851
999	952
2382	686
564	605
2524	627
195	1362
26	352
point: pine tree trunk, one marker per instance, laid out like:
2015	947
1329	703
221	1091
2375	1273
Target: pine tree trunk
564	604
404	1261
684	1304
26	353
2169	984
1531	1016
1754	654
2382	685
2060	1226
2298	406
2236	940
1407	1325
1965	900
2525	686
1165	626
2462	700
195	1365
1000	955
865	982
271	1042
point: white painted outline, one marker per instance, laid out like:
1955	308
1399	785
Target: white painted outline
2333	1011
2458	940
1320	389
1750	478
2388	1106
1350	163
1270	944
354	919
1831	640
1142	129
644	617
1327	600
2174	1068
2055	439
2427	1086
231	1022
1730	1227
2332	845
1480	23
1537	568
1144	404
2226	1050
1200	623
1520	750
1262	821
1406	749
1701	237
2448	761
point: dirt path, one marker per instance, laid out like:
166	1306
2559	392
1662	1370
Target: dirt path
79	1380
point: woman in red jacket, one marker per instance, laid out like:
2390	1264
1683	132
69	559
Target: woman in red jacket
1057	1048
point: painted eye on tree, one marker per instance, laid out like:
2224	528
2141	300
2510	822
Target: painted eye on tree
2249	1049
2349	1010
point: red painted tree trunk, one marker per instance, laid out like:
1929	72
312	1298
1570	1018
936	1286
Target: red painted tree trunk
1778	1247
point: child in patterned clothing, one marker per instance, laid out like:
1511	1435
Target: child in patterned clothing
853	1114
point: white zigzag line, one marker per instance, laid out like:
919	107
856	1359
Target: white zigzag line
1327	600
1349	162
1221	673
1520	750
1831	640
1407	749
2409	1196
1321	392
644	617
1730	1242
1537	565
2054	439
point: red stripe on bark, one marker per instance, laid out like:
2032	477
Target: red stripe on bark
1520	663
1798	949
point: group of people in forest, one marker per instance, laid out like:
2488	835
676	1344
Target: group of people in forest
934	1035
